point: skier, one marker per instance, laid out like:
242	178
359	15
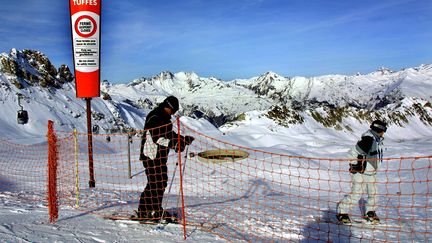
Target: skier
368	152
157	140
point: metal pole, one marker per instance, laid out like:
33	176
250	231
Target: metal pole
76	168
129	156
184	166
20	96
172	177
92	182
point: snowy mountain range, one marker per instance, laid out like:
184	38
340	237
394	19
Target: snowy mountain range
334	101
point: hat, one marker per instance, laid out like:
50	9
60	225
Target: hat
378	126
171	102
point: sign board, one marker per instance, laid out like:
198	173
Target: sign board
85	25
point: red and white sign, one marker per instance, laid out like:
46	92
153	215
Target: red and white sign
85	25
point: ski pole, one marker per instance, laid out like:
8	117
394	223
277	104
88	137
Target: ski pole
169	188
184	164
172	178
183	170
175	169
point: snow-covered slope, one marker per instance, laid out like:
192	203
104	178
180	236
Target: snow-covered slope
403	98
339	90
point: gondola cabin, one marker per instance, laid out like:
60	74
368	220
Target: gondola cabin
22	117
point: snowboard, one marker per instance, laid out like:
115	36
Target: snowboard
357	222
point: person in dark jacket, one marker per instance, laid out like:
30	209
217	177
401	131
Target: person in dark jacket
157	140
367	157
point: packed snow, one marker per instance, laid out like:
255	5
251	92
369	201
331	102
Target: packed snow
23	221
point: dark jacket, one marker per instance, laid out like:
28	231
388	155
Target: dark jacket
158	136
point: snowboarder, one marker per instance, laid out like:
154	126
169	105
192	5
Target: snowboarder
157	140
368	152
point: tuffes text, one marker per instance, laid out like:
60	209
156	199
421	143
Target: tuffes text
85	2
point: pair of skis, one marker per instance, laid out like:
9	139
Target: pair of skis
161	224
135	220
162	221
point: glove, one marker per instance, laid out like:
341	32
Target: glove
361	159
359	167
188	139
174	144
182	147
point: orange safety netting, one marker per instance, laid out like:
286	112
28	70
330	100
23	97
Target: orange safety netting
235	192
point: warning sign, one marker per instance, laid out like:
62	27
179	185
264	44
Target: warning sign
83	52
85	26
86	41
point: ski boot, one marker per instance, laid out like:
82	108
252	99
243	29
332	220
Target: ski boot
371	217
343	218
145	216
169	218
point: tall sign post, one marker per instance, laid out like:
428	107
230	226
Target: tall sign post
86	35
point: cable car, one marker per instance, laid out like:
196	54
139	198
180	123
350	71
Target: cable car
22	115
95	129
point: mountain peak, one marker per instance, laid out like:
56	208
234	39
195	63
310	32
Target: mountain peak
270	77
286	99
382	71
30	67
268	82
187	75
165	75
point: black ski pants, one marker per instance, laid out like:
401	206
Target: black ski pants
157	180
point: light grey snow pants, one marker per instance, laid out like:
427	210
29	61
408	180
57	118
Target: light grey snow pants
361	184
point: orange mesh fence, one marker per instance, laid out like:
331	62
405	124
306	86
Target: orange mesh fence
235	192
23	172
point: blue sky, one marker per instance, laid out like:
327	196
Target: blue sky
230	39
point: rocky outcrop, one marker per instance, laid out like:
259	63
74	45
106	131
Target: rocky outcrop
30	67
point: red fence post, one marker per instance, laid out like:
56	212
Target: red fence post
181	180
52	173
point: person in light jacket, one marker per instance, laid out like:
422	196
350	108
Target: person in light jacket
369	153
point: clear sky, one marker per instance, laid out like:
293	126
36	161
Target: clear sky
230	39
